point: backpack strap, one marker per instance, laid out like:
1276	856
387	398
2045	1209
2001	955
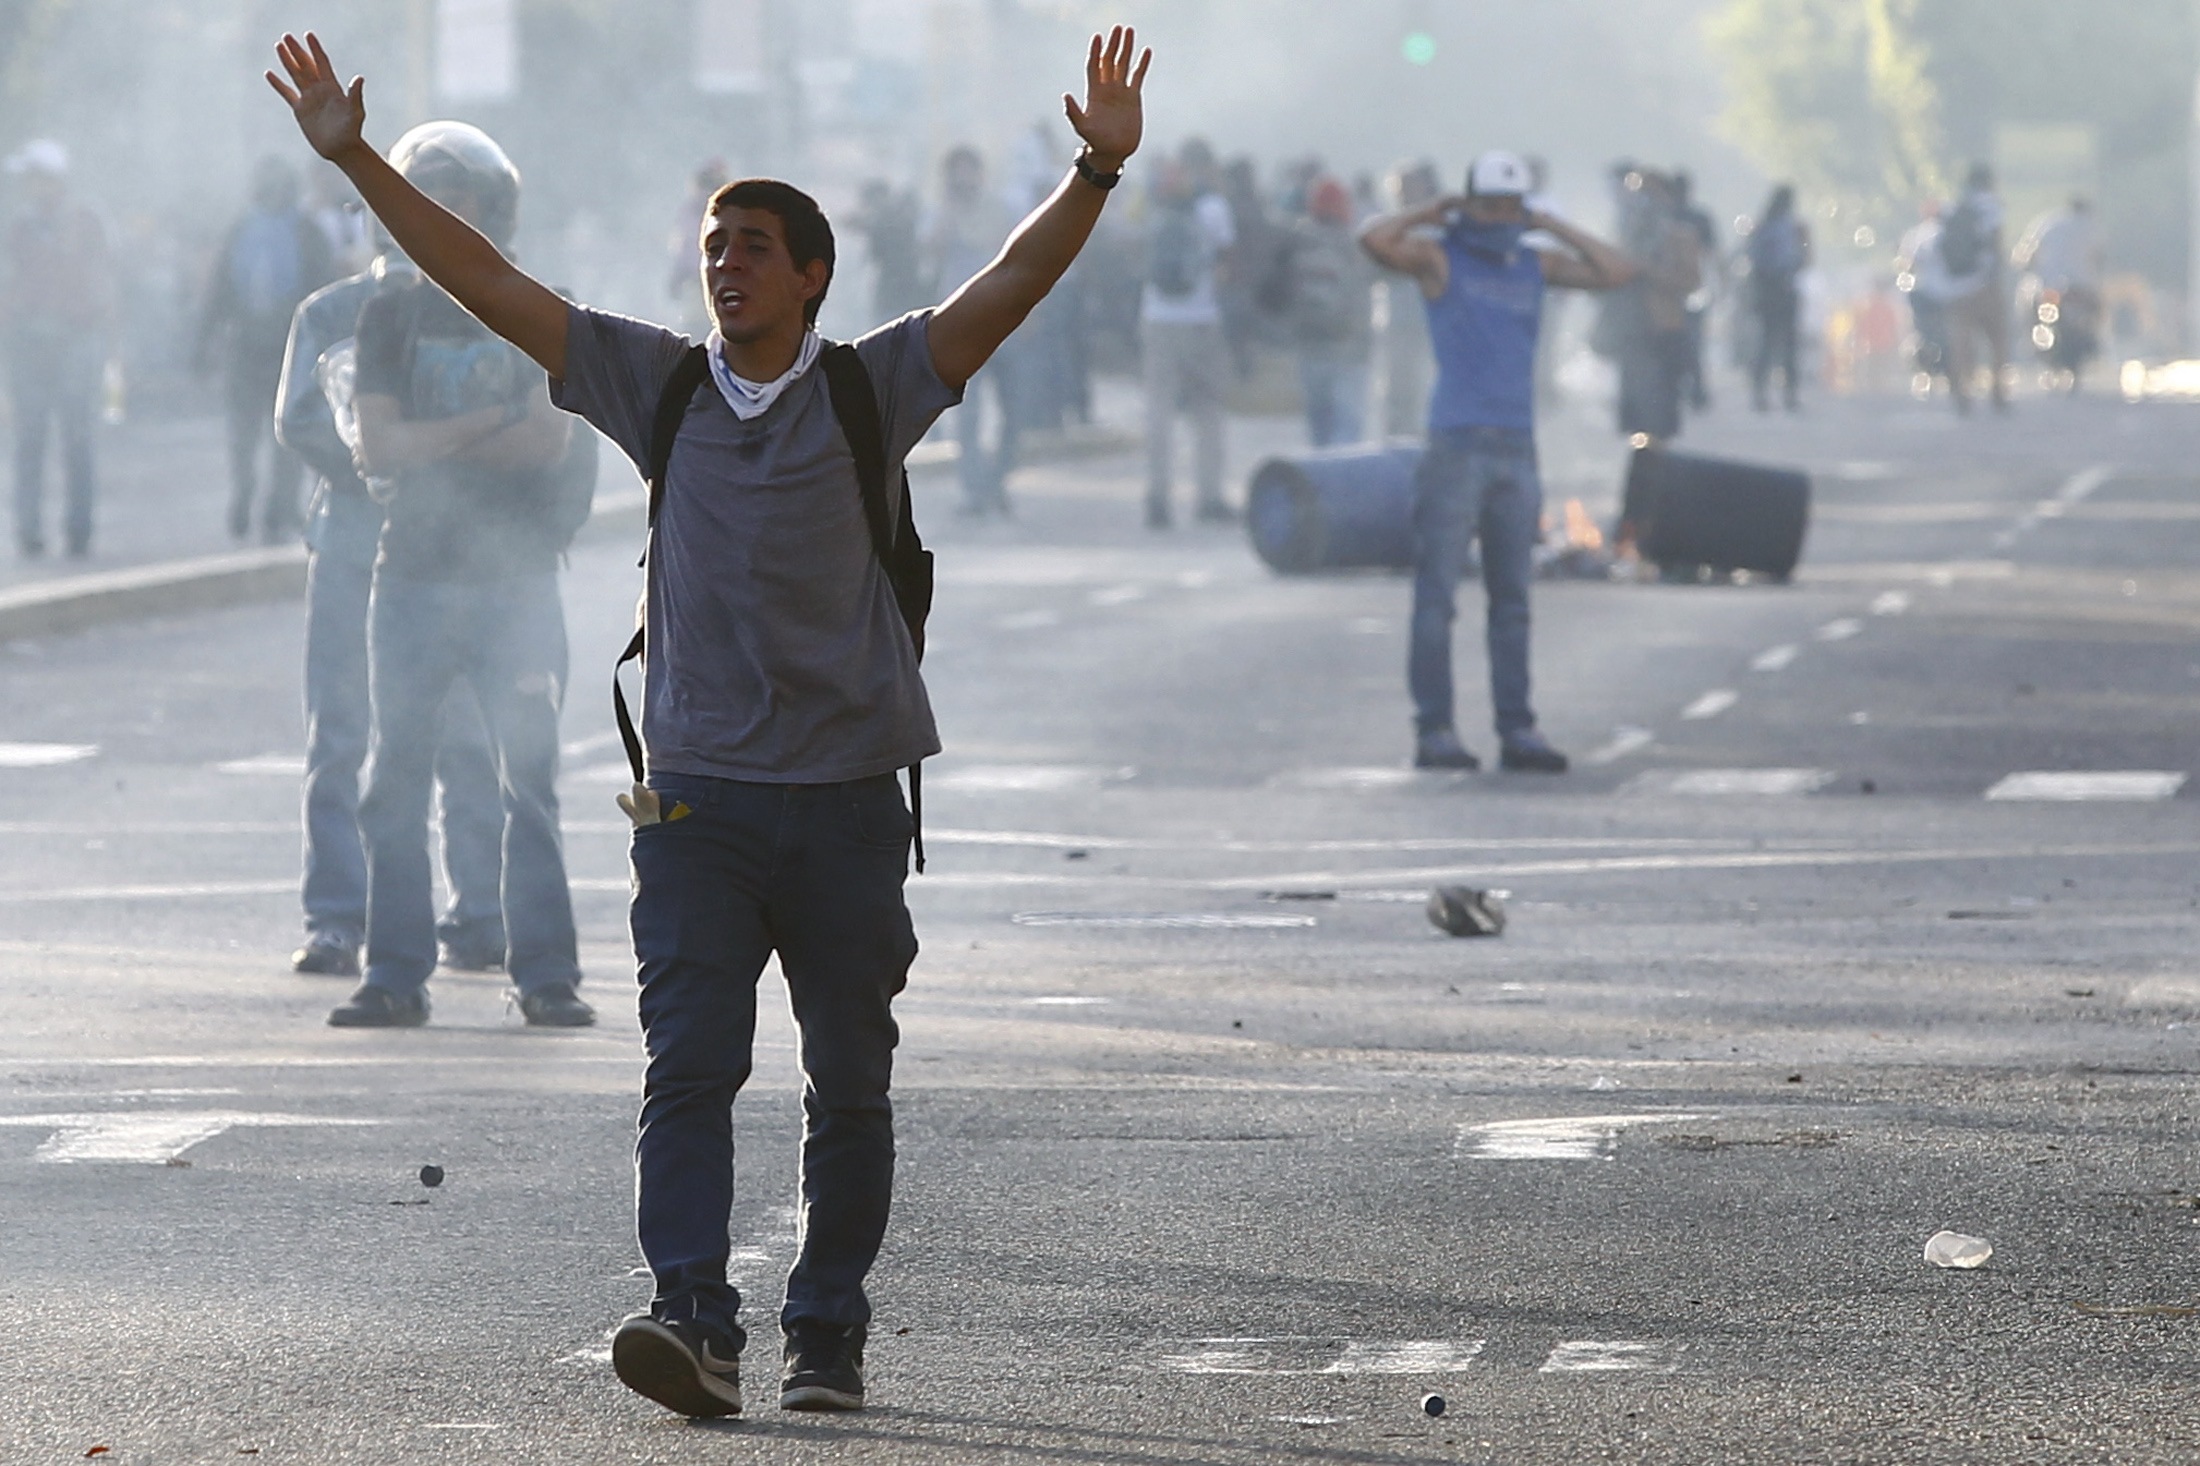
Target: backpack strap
908	564
672	408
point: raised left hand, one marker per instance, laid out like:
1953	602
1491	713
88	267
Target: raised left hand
1113	118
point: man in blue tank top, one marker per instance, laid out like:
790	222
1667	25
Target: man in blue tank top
1483	287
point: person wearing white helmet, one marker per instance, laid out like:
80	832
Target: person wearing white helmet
476	473
317	419
59	308
1483	288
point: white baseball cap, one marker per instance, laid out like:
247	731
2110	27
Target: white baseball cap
1500	175
40	155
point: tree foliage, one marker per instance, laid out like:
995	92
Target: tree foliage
1835	94
1878	103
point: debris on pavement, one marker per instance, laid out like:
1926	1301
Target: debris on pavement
431	1176
1466	912
2138	1310
1432	1405
1298	895
1955	1250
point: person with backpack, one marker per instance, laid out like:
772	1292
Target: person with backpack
1977	297
316	418
483	484
1187	357
1483	286
782	627
1329	292
274	257
1779	252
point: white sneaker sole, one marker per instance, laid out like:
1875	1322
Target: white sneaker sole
653	1362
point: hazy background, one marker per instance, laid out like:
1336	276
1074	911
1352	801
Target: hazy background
607	105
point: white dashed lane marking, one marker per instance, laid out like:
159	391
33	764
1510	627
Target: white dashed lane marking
266	766
1564	1138
1359	780
1028	778
1711	704
1117	595
1029	620
1775	659
145	1139
1840	629
2130	786
2076	490
1307	1355
1891	603
1624	742
1594	1356
45	755
1721	783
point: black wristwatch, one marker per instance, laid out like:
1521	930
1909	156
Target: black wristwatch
1102	181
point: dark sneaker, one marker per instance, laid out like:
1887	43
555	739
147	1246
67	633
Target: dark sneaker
376	1007
679	1366
1529	753
327	954
824	1368
1442	749
556	1006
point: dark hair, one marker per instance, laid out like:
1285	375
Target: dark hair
809	233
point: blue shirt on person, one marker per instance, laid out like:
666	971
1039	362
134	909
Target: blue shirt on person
1484	329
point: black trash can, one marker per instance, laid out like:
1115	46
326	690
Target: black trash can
1693	511
1335	509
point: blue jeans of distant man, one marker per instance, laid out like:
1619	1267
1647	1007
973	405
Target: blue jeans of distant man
341	540
1474	483
1336	399
735	872
506	640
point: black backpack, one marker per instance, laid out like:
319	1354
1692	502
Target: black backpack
908	564
1963	240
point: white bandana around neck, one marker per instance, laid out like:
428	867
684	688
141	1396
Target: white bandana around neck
751	399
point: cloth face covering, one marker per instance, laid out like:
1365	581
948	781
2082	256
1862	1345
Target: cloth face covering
751	399
1498	241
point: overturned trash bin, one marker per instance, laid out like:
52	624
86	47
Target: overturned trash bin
1335	509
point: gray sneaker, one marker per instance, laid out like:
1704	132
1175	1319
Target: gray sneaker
678	1365
1440	748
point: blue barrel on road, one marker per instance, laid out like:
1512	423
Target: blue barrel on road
1335	509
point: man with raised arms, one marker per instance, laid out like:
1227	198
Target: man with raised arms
781	694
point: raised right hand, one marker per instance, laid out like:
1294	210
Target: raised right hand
331	115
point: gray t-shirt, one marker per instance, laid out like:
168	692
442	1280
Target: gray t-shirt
776	652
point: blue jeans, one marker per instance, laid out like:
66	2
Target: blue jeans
1474	483
506	640
339	582
814	873
1336	399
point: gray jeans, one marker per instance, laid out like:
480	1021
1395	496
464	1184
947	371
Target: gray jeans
1187	369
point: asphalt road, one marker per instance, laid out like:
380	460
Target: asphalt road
1797	975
